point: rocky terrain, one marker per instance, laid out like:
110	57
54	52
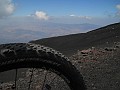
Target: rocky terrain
100	67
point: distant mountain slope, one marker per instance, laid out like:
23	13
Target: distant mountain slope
32	30
69	44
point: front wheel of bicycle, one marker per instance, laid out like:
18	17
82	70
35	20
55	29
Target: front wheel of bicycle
28	55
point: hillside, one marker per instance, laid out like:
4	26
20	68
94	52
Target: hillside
39	29
69	44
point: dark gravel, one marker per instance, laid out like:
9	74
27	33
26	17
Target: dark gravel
100	69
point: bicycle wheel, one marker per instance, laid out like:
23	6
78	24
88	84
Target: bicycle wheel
28	55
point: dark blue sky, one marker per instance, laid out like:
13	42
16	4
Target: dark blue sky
96	8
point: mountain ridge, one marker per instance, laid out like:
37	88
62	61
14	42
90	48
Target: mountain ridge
27	31
69	44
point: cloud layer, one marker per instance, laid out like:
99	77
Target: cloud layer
82	17
118	6
118	12
6	8
41	15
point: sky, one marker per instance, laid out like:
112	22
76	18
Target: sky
61	8
16	15
97	8
93	8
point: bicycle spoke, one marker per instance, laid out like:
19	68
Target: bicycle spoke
30	78
48	87
1	85
44	80
15	86
53	80
61	88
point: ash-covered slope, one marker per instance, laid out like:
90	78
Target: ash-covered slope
69	44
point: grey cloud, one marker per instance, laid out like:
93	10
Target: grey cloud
118	10
6	8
